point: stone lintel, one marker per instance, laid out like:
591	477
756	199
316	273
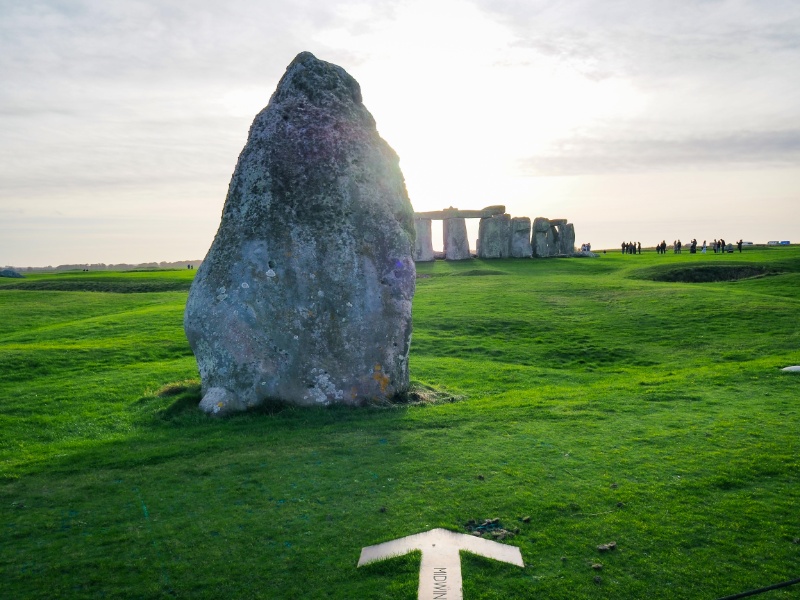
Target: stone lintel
455	213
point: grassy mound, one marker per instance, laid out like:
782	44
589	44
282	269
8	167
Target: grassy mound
132	282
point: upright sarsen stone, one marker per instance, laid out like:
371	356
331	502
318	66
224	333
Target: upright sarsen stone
521	237
542	240
456	242
566	239
423	245
305	294
494	234
552	237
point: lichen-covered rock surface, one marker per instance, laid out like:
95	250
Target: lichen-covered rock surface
305	294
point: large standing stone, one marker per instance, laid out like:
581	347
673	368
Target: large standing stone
521	237
552	237
542	240
456	242
494	234
566	239
423	245
305	294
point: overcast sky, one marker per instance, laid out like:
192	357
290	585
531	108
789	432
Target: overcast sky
121	120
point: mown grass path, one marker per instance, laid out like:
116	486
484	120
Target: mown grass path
603	404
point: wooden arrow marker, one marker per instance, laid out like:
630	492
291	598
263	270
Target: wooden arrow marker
440	571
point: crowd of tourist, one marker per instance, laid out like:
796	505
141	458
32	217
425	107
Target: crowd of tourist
718	246
631	247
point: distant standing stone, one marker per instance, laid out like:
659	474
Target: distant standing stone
456	242
305	294
423	245
541	240
10	273
552	237
521	237
495	237
566	240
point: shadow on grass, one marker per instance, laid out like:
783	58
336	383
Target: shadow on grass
704	273
478	273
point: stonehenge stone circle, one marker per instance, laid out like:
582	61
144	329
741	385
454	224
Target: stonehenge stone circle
499	235
305	294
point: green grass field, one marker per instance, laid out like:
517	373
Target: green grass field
605	399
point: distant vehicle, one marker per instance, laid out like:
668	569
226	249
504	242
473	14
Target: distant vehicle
747	243
776	243
785	243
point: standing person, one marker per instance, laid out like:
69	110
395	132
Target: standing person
624	247
703	251
639	244
663	246
722	245
739	244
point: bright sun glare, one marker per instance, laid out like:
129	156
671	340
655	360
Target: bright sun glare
461	119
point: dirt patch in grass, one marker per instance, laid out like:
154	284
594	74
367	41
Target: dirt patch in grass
419	394
171	401
178	387
490	528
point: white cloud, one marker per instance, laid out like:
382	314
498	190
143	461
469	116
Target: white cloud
638	153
